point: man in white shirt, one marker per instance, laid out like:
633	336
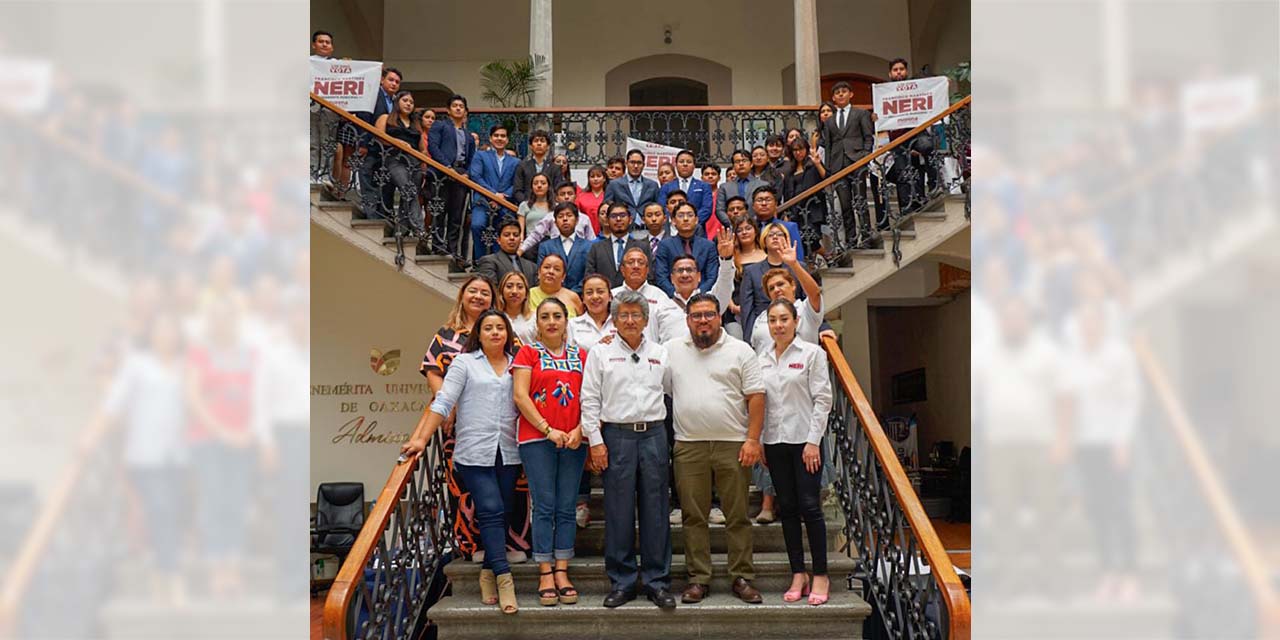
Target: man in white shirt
718	394
635	277
686	279
622	418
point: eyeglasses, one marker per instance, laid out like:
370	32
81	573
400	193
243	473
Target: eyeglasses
679	270
703	315
630	316
620	214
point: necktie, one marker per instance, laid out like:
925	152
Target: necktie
684	186
617	258
840	122
687	249
515	264
742	188
653	244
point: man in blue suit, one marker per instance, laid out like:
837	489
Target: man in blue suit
633	188
450	144
685	243
375	200
696	192
574	250
495	171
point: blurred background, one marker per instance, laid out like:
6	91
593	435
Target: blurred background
1125	164
155	260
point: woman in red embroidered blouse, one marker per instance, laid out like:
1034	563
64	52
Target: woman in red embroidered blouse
547	385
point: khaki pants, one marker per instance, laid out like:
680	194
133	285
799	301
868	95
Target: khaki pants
697	466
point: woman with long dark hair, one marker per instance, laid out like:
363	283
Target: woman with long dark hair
806	172
404	169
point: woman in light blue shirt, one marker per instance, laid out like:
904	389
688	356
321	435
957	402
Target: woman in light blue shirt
486	456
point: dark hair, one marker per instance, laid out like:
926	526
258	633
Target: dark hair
534	197
780	302
321	32
635	151
764	188
615	160
739	198
454	98
712	165
798	143
900	60
563	206
507	221
473	339
653	204
567	183
395	100
774	139
828	104
608	285
610	206
540	133
703	297
595	168
683	257
498	127
386	70
677	192
552	300
684	152
684	204
743	152
543	261
841	85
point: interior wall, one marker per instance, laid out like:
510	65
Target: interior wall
357	305
937	339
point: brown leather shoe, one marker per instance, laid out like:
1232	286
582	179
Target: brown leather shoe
745	592
695	593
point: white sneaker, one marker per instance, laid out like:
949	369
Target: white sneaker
676	516
517	557
582	514
716	516
478	556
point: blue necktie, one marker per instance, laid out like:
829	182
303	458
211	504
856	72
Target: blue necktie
742	188
617	260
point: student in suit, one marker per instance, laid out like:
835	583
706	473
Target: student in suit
568	246
740	183
848	136
505	260
764	202
633	189
656	227
451	145
494	171
540	161
605	256
685	243
696	192
374	200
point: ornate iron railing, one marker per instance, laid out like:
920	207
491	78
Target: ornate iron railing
395	568
399	184
910	580
593	136
934	156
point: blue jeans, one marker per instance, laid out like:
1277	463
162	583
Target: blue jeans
493	493
635	483
553	484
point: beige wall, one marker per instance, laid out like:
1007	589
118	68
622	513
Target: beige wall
358	304
936	338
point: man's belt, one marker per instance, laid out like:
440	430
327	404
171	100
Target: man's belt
638	427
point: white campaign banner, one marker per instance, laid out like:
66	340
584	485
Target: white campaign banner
908	104
25	84
1219	104
349	84
654	155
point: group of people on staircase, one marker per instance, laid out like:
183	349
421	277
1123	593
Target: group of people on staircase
600	369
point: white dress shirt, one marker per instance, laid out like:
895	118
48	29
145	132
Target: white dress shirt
709	388
675	325
661	310
808	324
797	391
586	334
620	384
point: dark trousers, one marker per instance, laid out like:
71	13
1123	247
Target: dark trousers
372	197
493	494
1107	499
405	179
798	500
908	174
636	483
449	226
853	215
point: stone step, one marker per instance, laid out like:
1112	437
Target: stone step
773	573
721	615
146	618
906	234
766	539
596	503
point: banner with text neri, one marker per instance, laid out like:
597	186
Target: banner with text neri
908	104
654	154
349	84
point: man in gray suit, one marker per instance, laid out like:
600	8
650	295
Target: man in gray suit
505	260
848	136
740	183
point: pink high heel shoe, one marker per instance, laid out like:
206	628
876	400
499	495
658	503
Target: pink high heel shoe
816	599
794	595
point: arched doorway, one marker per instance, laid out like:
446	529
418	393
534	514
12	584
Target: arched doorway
670	128
861	85
432	95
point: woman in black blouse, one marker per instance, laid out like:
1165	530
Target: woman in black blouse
806	172
404	169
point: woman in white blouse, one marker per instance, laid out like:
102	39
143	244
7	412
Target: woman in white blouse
513	292
797	403
586	330
479	385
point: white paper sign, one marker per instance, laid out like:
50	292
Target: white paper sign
654	155
349	84
25	85
1216	105
908	104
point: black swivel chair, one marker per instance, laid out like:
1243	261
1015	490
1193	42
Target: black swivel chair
339	517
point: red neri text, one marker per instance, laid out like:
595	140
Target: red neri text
339	88
907	105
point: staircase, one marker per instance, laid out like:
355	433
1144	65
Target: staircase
721	615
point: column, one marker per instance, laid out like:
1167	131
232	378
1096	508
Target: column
1115	51
540	45
808	80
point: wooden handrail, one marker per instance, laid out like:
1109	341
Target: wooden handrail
944	573
1242	546
865	160
399	144
688	108
36	542
351	574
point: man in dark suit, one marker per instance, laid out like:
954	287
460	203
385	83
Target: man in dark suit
848	136
540	161
605	256
375	199
450	144
740	184
567	245
696	192
633	189
494	171
505	260
911	159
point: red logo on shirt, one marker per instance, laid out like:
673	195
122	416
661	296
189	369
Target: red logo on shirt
796	365
652	361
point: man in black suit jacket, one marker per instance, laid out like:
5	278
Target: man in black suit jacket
375	200
450	144
848	136
603	257
495	266
540	162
